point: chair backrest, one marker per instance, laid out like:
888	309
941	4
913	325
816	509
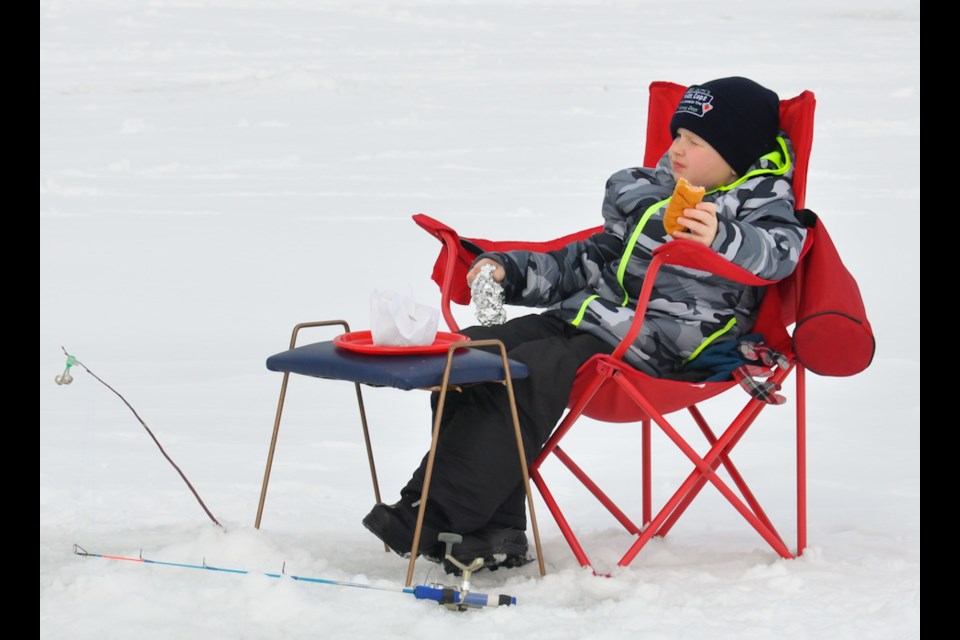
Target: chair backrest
796	118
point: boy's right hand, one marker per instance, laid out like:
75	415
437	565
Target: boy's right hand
499	273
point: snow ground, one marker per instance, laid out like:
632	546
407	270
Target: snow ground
212	173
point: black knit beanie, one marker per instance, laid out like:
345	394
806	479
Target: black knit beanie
736	116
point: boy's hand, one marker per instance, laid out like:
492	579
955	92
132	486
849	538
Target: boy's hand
700	222
499	273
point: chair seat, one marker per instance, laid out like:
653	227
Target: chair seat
611	404
326	360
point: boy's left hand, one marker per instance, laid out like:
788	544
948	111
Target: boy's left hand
701	222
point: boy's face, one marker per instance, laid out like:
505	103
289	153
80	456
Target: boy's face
691	157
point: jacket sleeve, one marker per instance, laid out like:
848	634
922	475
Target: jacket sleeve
543	279
762	235
536	279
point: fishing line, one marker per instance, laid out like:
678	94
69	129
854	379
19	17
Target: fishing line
67	378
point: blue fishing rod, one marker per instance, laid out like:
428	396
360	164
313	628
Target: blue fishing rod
457	598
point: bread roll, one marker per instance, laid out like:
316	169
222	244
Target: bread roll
685	196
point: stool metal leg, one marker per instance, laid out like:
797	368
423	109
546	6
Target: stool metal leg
276	422
270	452
523	457
428	474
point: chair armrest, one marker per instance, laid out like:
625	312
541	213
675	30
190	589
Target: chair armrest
456	256
682	253
445	268
693	255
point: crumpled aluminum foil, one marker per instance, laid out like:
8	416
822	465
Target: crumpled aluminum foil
488	298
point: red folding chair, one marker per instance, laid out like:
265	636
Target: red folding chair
609	390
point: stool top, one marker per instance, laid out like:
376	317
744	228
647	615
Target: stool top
325	360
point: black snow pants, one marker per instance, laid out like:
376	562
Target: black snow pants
477	481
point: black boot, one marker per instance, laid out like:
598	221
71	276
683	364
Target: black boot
394	524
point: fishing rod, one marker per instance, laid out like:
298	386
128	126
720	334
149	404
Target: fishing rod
457	598
66	378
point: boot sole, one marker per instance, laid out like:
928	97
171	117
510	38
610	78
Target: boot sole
509	554
492	563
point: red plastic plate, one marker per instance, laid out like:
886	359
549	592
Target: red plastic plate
362	342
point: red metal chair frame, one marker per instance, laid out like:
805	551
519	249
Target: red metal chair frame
607	389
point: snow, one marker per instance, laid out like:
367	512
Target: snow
212	173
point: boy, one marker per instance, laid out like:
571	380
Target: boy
727	139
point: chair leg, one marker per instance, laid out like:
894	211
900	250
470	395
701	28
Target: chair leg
551	446
597	492
747	418
562	522
647	471
671	505
703	469
568	421
801	459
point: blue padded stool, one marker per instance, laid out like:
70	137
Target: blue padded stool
461	365
326	360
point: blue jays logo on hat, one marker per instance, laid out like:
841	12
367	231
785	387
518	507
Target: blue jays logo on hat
696	101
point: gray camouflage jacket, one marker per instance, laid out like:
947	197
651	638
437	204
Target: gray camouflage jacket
594	283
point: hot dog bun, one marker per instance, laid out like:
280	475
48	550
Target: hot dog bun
685	196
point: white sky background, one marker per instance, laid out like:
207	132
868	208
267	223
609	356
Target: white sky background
212	173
